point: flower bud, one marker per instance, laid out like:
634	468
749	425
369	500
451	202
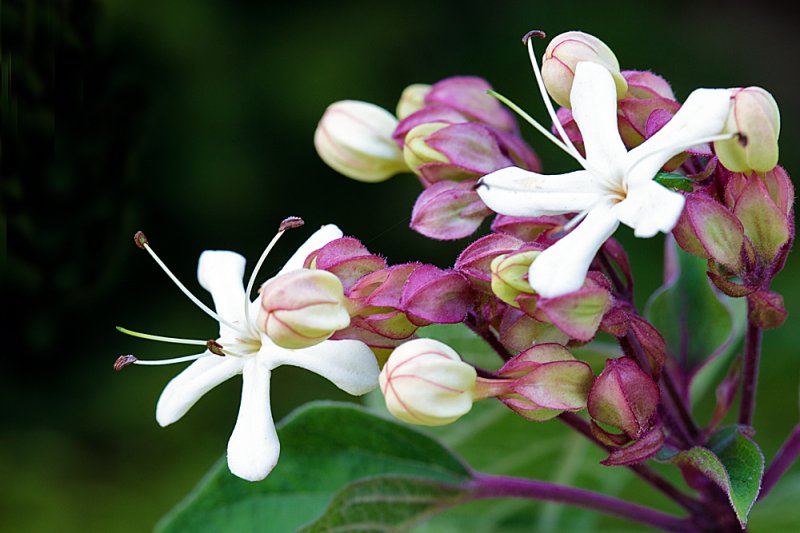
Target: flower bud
412	99
562	56
469	96
754	115
416	152
448	210
510	275
624	397
302	308
425	382
355	138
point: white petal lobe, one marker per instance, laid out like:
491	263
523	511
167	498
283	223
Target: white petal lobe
650	208
220	272
253	448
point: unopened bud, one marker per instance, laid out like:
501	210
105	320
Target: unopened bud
412	99
562	56
302	308
416	150
624	397
425	382
755	117
355	138
510	275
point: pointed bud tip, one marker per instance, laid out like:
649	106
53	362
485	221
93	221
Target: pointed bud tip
140	239
538	34
123	361
215	348
291	223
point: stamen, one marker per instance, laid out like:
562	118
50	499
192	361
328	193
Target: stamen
142	242
215	347
537	34
126	360
173	340
549	105
530	120
288	223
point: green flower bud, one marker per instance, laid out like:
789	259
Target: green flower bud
412	99
510	275
416	151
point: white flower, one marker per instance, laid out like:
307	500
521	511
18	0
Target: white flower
614	186
241	348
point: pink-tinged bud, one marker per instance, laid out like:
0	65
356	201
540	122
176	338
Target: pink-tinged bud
780	188
468	95
347	259
518	331
579	313
412	99
436	114
562	56
651	342
425	382
707	229
640	119
448	210
624	397
545	380
765	224
510	275
643	449
435	296
527	228
476	259
766	309
378	296
355	139
437	152
755	117
643	84
302	308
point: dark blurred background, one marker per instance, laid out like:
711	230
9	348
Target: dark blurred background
193	121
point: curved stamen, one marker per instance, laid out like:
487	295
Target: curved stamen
173	340
143	243
549	105
125	360
288	223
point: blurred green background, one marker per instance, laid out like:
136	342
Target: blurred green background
193	121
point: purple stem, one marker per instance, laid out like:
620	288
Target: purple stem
785	457
752	355
482	330
644	472
486	486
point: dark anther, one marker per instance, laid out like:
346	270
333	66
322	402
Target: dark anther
291	222
123	361
742	138
139	239
539	34
215	348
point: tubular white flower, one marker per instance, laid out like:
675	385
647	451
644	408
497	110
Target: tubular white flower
615	186
253	448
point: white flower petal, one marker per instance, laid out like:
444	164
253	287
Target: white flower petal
348	364
702	115
517	192
562	268
594	107
318	239
253	448
220	272
186	388
650	208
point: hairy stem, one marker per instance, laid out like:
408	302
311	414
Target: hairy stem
644	472
752	356
487	486
785	457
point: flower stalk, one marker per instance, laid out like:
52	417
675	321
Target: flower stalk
752	357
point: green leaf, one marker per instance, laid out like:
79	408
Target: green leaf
324	447
698	323
734	462
386	503
674	181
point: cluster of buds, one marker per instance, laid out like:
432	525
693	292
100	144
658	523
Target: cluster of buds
425	382
387	304
449	134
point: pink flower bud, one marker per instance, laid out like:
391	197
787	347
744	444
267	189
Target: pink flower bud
412	99
767	309
643	84
302	308
755	117
624	397
707	229
448	210
347	259
468	95
564	53
518	331
476	259
766	224
355	138
425	382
